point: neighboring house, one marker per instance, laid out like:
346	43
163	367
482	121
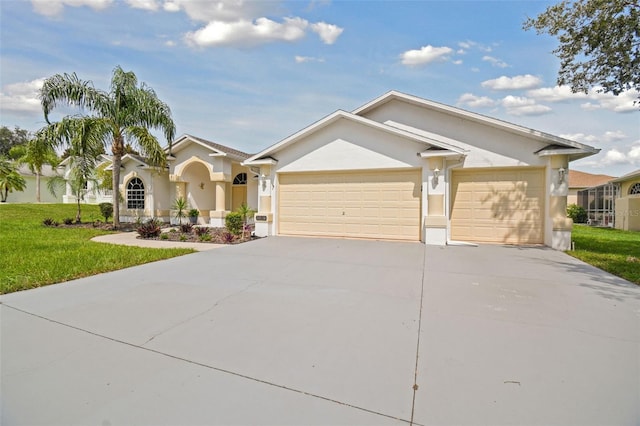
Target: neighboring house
581	180
627	205
29	194
397	168
91	194
208	175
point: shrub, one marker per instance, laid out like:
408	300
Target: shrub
149	229
228	237
183	237
186	228
577	213
164	236
68	221
205	237
234	223
49	222
201	231
106	209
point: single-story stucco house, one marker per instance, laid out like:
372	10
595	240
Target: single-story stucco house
400	167
579	181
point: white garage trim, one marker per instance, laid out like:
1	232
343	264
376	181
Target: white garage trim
376	204
498	205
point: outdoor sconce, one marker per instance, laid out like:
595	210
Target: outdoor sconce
561	174
201	185
264	182
436	173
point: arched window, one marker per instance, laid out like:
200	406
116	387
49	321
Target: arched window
240	179
135	194
634	189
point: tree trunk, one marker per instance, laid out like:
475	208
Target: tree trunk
117	161
38	187
78	212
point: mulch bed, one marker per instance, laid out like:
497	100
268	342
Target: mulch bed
217	236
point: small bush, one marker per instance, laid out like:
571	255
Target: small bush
164	236
106	209
577	213
205	237
173	230
234	223
228	237
201	230
68	221
49	222
186	228
149	229
183	237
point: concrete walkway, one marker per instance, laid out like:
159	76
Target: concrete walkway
320	331
131	239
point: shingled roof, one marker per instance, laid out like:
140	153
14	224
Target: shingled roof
579	179
222	148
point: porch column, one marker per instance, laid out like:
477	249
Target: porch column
561	225
217	216
435	221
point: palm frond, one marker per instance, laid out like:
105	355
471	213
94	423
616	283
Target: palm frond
71	90
149	146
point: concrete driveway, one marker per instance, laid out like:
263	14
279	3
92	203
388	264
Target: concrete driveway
320	331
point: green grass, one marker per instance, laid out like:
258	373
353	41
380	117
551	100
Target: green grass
612	250
32	255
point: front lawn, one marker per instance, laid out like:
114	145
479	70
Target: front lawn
613	250
33	255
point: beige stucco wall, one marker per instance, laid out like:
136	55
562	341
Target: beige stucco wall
29	194
488	146
628	213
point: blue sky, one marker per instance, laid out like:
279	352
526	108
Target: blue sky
248	74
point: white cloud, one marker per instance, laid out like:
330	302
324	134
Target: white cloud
555	94
53	8
517	82
171	6
517	105
152	5
170	43
21	97
624	102
474	101
495	61
303	59
457	62
221	10
245	33
607	137
328	33
425	55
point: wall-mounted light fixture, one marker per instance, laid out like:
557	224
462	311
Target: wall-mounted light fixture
436	174
201	185
561	174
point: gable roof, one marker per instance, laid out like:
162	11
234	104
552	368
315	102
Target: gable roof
578	179
343	115
628	176
217	148
557	145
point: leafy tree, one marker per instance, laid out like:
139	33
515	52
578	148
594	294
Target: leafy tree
127	110
10	138
599	43
10	179
35	154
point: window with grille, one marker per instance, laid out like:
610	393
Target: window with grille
240	179
135	194
635	189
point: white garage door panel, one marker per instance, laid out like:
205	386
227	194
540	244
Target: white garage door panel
353	204
501	206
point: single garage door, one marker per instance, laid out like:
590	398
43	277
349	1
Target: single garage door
498	206
372	204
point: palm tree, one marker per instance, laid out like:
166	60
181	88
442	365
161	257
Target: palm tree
35	154
85	138
128	111
10	179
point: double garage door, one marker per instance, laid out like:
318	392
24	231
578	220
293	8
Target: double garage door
370	204
498	206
